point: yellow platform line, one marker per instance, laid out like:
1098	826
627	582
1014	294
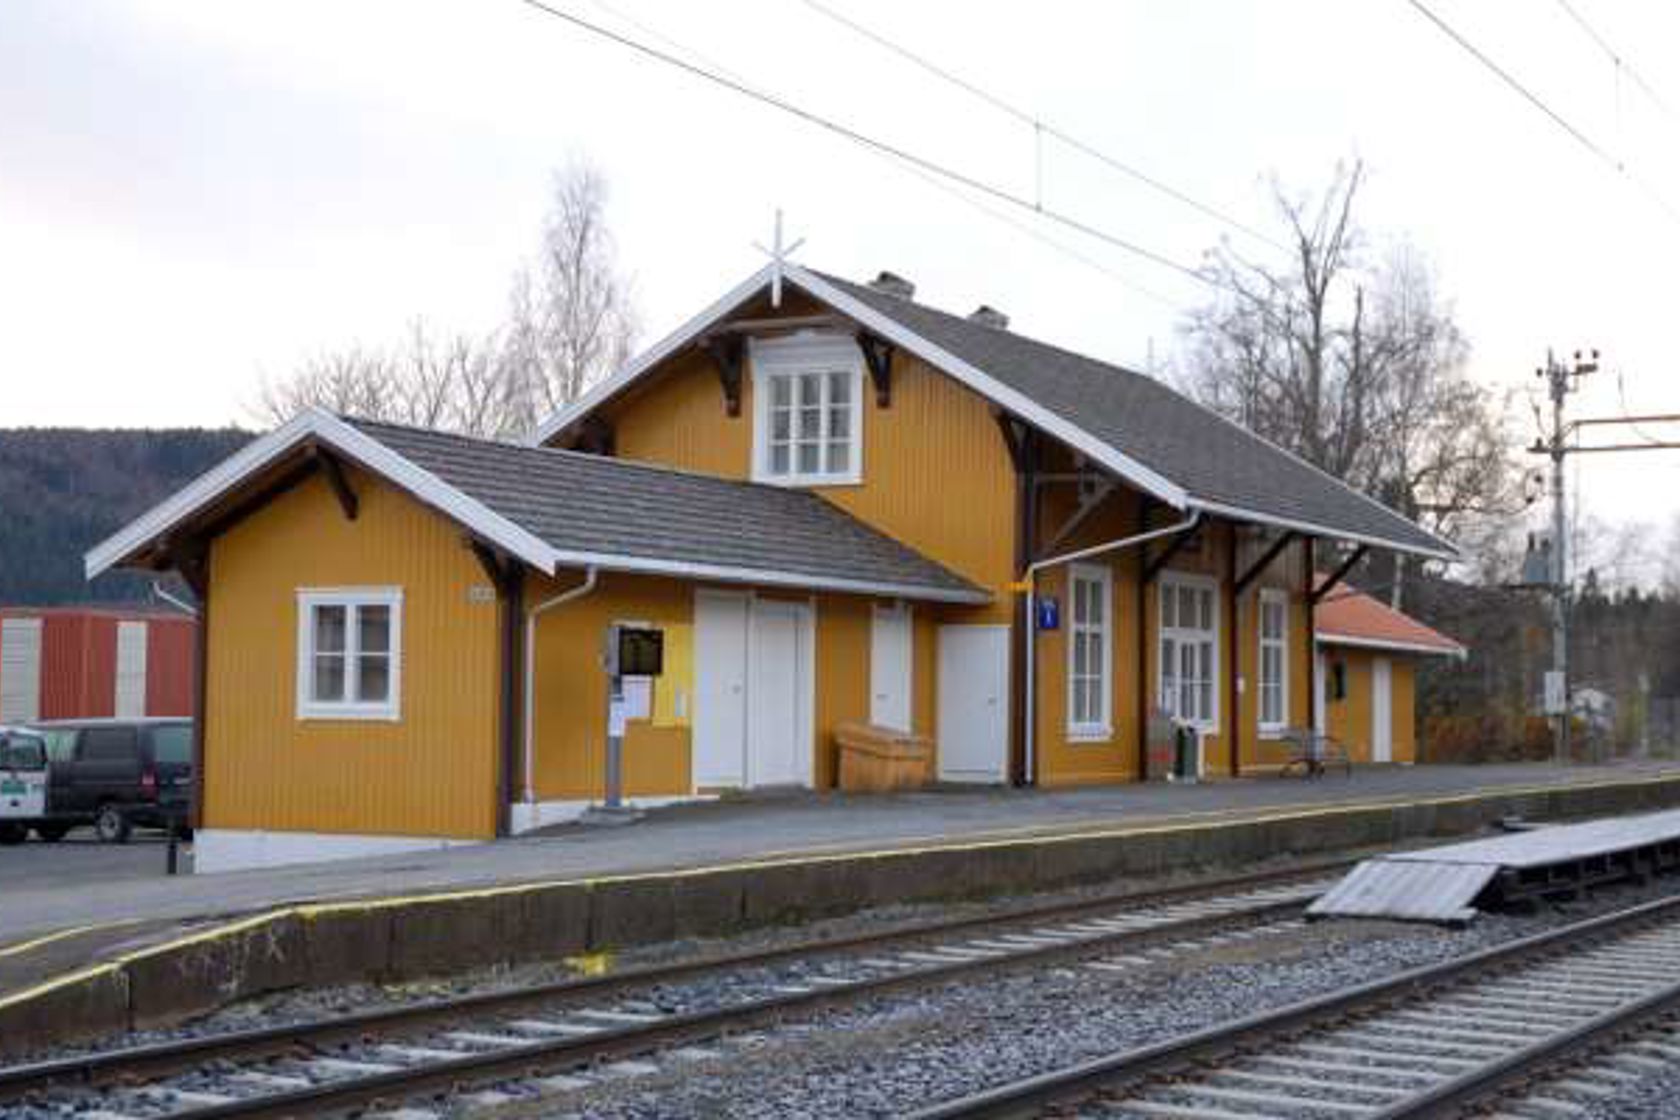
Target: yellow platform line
312	910
19	947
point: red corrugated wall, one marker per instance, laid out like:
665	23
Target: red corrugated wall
170	650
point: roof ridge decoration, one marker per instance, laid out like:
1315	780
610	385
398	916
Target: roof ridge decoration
1199	477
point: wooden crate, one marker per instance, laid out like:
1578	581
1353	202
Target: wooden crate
879	759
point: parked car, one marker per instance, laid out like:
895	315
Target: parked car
115	774
23	783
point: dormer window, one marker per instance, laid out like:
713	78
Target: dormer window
807	410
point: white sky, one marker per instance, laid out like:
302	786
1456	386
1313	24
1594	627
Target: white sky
193	195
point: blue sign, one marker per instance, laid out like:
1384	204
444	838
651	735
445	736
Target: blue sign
1049	614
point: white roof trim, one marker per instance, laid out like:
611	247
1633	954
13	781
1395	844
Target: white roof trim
603	391
730	573
1329	638
1317	530
321	425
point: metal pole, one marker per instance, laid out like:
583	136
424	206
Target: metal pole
615	743
1559	376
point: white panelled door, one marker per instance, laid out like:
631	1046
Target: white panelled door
20	670
890	668
720	688
1319	670
131	670
1382	710
974	703
779	694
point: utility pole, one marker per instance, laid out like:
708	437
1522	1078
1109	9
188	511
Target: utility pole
1561	380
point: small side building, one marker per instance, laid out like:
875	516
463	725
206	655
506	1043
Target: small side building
94	662
1367	661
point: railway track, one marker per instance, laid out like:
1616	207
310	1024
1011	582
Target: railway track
1524	1028
557	1037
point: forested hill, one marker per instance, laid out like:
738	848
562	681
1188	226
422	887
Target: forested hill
64	489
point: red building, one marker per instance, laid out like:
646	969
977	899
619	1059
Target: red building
88	662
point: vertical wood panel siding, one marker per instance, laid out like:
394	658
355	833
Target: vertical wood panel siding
170	652
431	773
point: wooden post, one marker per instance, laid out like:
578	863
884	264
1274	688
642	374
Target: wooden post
1308	562
1233	649
1144	706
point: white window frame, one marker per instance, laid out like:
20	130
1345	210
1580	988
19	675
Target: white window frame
1178	634
1102	729
795	357
351	598
1272	596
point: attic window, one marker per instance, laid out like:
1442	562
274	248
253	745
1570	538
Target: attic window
807	410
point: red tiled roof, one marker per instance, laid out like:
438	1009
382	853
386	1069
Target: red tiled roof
1348	616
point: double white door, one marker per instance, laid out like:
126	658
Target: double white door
754	691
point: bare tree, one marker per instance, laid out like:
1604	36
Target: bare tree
570	321
1353	361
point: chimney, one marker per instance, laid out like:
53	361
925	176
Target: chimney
893	285
988	316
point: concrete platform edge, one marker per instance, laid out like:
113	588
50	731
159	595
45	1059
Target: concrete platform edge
405	937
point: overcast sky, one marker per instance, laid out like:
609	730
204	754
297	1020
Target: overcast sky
194	195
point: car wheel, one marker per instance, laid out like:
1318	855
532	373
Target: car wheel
13	833
112	825
52	833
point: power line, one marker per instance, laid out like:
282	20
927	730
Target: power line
1621	63
847	132
1038	124
933	181
1534	99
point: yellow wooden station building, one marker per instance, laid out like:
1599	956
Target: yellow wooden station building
831	503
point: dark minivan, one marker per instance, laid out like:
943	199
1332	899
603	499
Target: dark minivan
117	773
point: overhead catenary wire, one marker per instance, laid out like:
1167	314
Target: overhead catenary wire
1620	61
856	136
1039	125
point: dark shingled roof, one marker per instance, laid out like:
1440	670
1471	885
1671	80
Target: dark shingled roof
580	503
1213	460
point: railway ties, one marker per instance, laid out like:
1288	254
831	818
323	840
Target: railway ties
568	1036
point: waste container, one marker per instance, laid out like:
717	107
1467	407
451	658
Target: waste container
877	759
1186	753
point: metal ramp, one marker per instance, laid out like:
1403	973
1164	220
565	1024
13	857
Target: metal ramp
1450	884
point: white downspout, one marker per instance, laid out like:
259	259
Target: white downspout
590	576
1031	580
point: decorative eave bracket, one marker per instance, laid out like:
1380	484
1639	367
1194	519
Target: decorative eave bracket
338	480
726	352
878	355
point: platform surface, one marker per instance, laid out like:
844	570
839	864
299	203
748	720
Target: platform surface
694	836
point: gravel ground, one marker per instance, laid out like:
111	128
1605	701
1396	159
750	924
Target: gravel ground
886	1057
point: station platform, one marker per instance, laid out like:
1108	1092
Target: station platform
127	949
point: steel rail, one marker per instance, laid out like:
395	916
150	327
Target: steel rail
160	1059
1028	1096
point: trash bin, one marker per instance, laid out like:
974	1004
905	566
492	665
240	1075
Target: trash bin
1186	753
878	759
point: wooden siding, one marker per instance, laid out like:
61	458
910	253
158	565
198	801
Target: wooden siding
1349	721
433	771
936	474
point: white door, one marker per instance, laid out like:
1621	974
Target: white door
131	670
974	703
720	688
20	670
779	700
890	671
1382	711
1319	670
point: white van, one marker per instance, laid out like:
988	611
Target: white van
23	782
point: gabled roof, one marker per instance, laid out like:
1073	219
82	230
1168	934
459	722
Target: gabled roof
1349	617
553	508
1150	436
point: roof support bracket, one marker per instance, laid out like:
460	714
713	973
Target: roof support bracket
191	558
1265	561
1338	575
340	483
878	355
726	352
595	435
499	567
1152	567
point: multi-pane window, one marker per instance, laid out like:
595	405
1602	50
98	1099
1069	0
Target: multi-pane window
1274	659
1089	625
1189	642
349	653
807	409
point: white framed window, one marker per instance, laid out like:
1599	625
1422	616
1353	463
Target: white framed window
1090	672
349	653
1274	660
807	410
1189	649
